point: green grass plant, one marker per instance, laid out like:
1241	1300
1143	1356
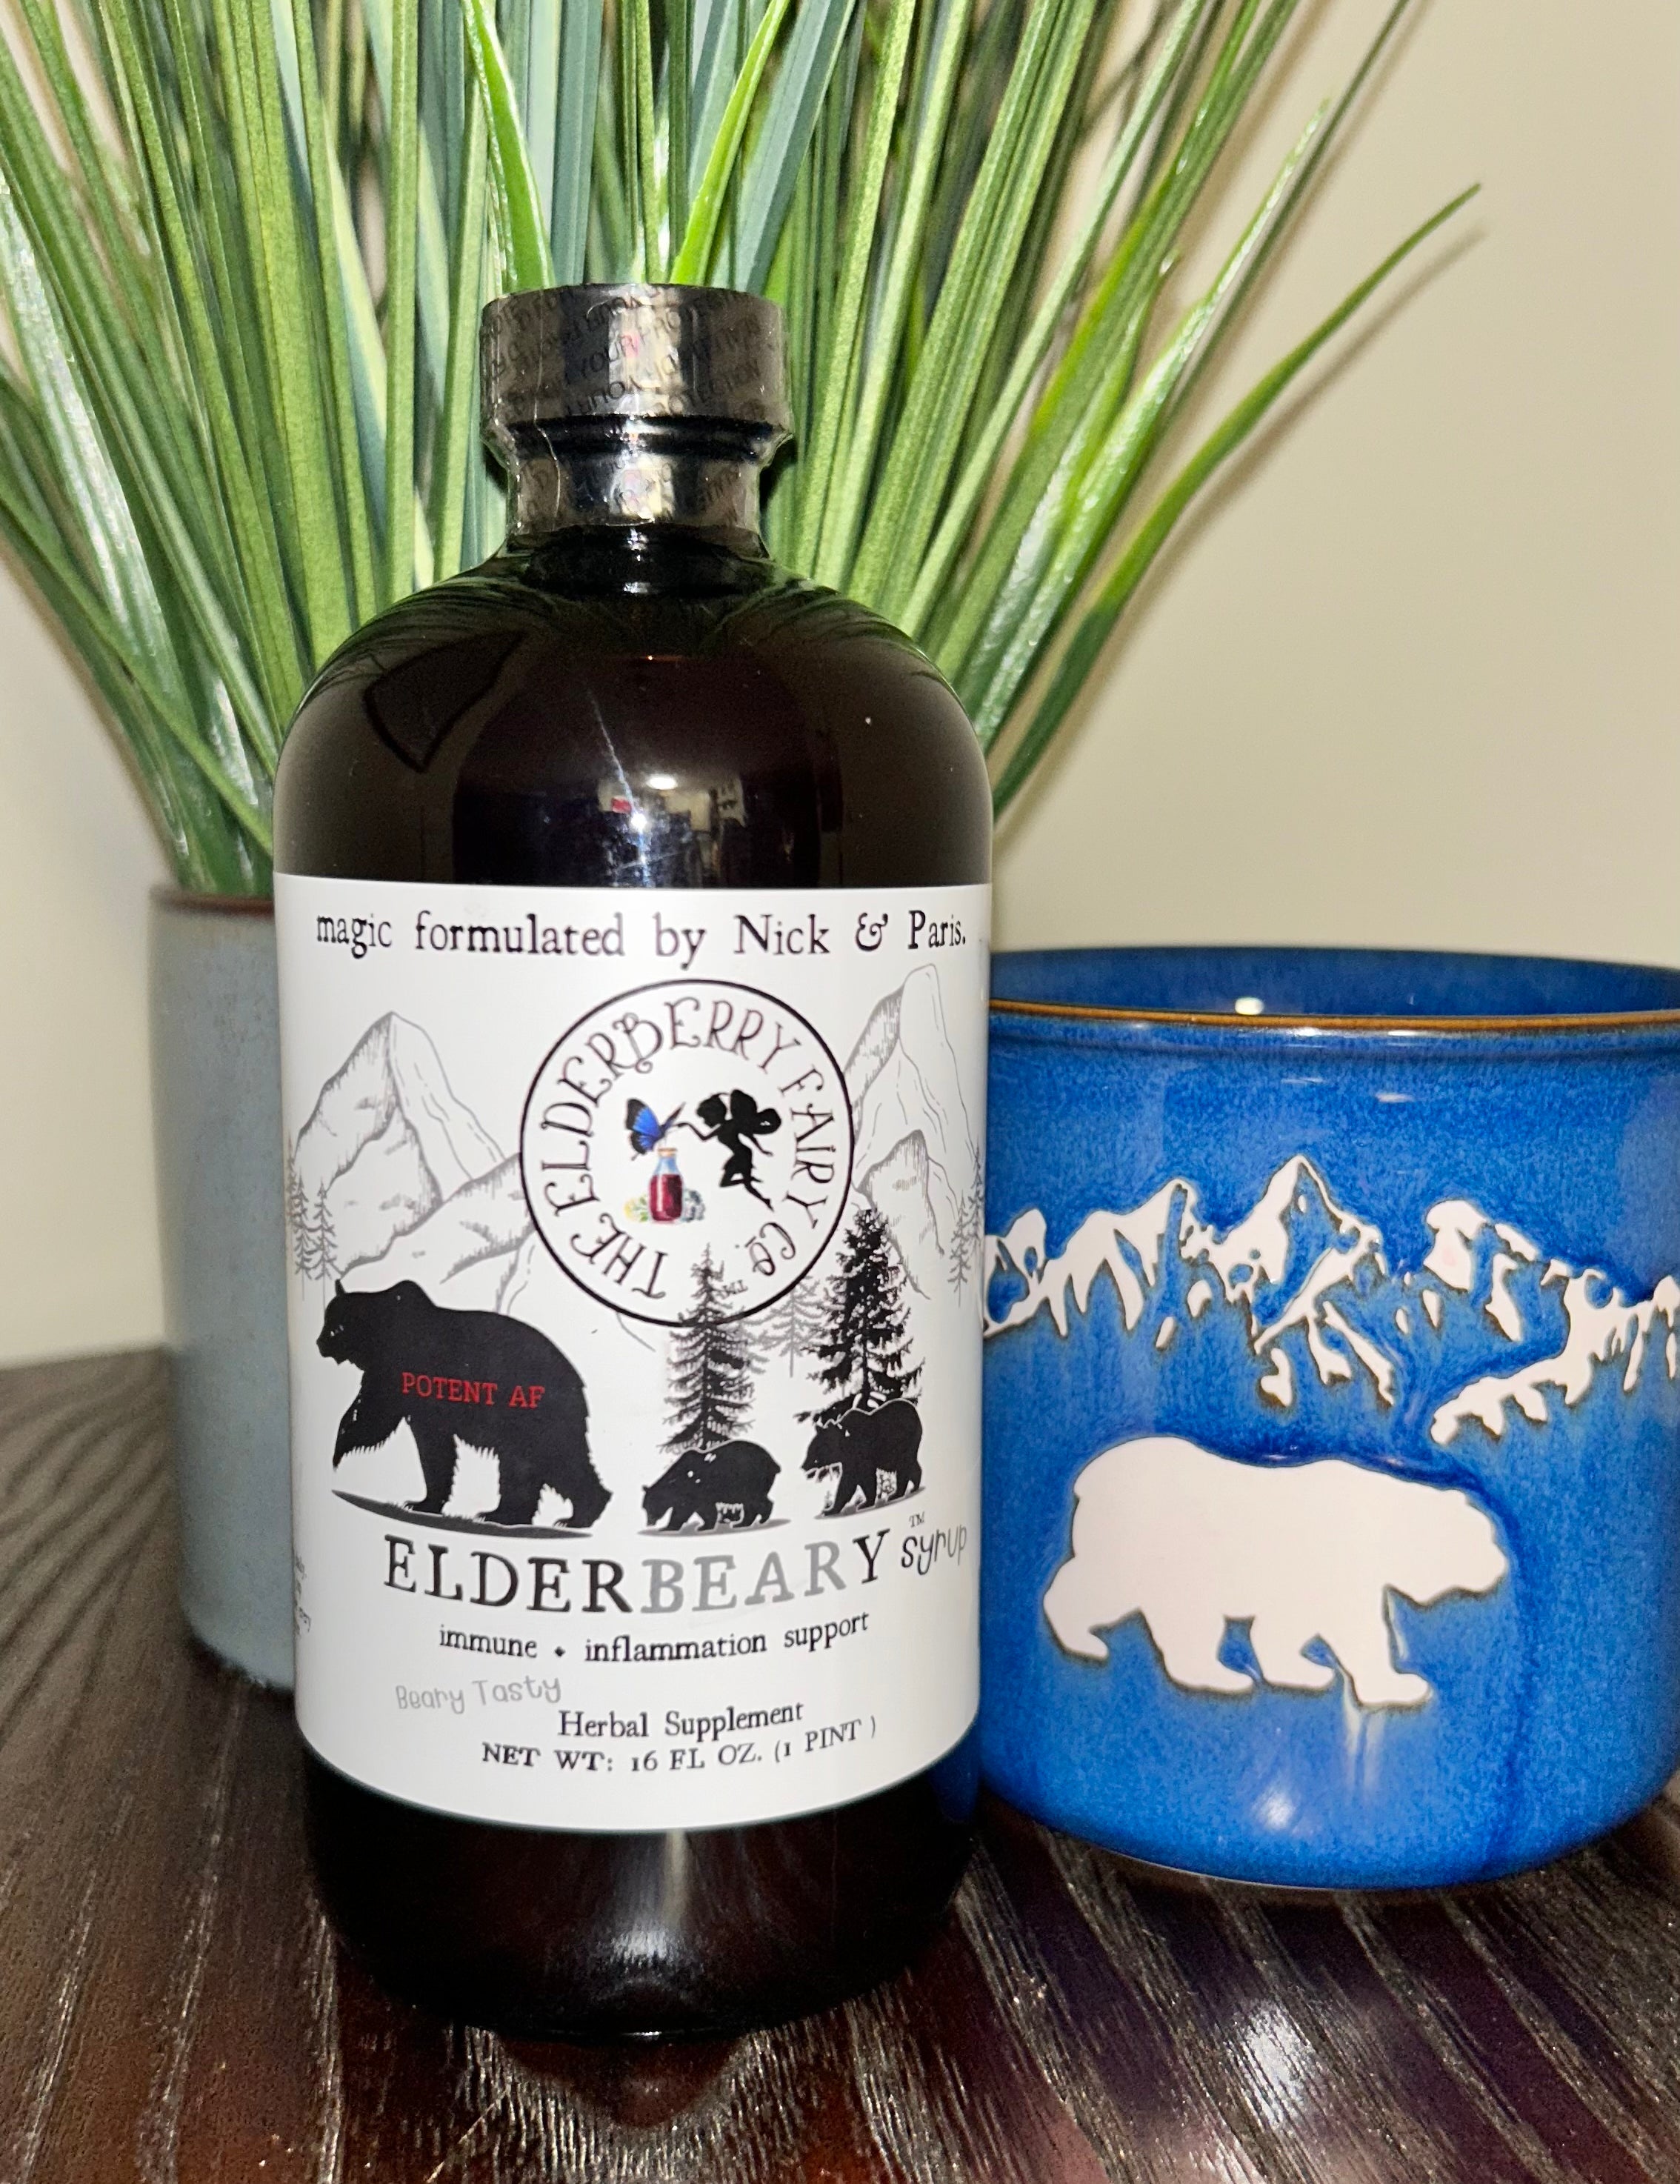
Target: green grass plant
244	245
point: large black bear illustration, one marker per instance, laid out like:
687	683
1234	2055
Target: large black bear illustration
863	1445
738	1475
477	1377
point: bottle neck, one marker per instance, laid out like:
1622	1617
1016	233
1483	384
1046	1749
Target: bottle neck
637	477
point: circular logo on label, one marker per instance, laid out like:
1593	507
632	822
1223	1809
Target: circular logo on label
688	1120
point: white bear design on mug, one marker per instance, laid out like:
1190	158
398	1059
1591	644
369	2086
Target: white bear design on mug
1193	1541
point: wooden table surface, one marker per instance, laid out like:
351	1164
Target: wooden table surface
172	2006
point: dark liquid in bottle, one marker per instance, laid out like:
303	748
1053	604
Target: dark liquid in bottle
640	708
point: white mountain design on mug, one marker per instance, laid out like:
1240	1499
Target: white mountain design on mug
1313	1288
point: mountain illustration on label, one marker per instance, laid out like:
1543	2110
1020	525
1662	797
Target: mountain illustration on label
391	1173
387	1153
918	1160
479	1379
1192	1542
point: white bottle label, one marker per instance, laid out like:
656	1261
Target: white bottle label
634	1277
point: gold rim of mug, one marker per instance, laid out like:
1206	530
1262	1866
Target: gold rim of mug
1230	1020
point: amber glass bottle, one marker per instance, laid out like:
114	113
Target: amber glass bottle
631	898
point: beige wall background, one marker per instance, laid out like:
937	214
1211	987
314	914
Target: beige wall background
1412	678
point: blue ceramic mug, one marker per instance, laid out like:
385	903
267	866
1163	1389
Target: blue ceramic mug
1332	1407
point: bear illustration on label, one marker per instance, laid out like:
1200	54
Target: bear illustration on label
1192	1541
870	1450
480	1378
738	1476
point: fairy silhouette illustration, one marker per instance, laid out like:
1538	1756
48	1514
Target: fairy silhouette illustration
739	1125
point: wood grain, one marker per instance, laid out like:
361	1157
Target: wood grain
173	2009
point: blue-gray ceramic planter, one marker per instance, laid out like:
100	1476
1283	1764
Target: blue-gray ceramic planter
215	1083
1332	1407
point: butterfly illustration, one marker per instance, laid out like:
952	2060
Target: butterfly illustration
646	1130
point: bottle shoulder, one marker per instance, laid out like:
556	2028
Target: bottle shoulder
512	726
454	636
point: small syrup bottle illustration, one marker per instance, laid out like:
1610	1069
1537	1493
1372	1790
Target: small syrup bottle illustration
665	1189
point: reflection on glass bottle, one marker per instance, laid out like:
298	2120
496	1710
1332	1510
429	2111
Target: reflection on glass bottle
664	1190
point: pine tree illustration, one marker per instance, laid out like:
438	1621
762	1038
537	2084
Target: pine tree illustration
791	1329
968	1231
711	1379
326	1239
298	1221
865	1351
314	1242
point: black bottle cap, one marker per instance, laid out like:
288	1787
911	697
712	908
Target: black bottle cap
632	350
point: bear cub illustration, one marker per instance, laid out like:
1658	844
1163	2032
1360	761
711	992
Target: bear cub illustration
477	1377
1192	1541
868	1449
730	1485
